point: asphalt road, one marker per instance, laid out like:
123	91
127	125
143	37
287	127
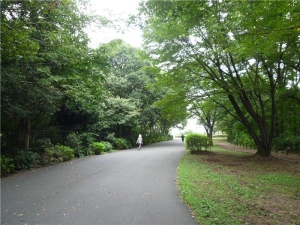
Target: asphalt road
124	187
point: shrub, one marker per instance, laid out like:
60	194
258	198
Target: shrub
25	159
98	148
195	142
42	144
86	139
59	153
111	137
74	142
156	138
148	140
7	165
287	142
107	146
67	152
121	143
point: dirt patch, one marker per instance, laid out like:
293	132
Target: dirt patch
251	162
290	157
263	210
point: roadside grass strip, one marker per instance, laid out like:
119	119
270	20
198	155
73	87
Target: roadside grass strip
227	187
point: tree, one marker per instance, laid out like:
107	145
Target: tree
223	44
118	112
130	75
172	105
45	56
207	113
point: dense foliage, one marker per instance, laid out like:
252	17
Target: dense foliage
45	60
59	96
241	55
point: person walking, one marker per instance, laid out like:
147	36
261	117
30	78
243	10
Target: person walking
182	138
139	141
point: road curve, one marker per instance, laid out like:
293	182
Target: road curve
124	187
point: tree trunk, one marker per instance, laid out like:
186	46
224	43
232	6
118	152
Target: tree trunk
264	141
117	130
27	134
151	130
264	146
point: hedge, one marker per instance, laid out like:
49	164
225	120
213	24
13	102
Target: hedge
197	142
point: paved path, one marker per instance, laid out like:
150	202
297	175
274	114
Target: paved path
124	187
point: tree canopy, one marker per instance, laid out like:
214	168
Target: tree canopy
45	56
245	51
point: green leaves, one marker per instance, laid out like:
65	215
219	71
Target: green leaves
46	59
239	49
118	111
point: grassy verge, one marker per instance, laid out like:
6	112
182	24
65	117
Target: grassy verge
226	187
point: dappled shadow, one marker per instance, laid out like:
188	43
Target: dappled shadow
203	153
295	158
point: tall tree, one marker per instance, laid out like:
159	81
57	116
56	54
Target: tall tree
45	56
126	84
223	44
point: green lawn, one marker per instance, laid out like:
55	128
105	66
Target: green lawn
226	187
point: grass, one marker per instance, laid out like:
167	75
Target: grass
228	187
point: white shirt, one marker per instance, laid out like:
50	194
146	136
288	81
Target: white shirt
139	140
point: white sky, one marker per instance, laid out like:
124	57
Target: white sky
192	125
115	9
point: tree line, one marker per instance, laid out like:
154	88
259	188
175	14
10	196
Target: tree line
56	90
236	63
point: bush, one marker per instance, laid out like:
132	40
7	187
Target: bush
86	139
74	142
7	165
59	153
157	138
107	146
67	152
42	144
111	137
287	142
121	143
25	159
195	142
98	148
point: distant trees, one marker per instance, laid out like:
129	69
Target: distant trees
129	107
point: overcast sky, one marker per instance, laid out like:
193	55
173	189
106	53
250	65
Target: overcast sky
113	9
